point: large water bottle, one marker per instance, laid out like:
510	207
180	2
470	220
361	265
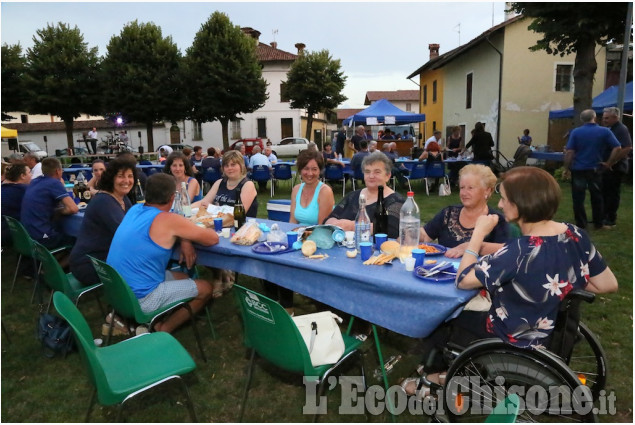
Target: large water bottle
362	223
409	223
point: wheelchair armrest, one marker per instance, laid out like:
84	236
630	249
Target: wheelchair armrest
581	295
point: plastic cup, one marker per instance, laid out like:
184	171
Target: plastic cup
291	238
419	256
349	238
410	263
366	249
225	232
380	238
218	224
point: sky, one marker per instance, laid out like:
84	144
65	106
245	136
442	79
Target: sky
378	43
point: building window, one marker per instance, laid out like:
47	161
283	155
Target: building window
468	91
234	127
283	93
564	78
434	91
425	94
24	119
197	131
262	127
286	127
434	126
408	107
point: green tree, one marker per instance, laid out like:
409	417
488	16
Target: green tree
224	76
576	28
144	74
315	83
13	69
62	76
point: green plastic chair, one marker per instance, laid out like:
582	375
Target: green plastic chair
506	411
120	372
124	302
55	278
271	333
23	244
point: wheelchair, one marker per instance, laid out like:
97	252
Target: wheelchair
557	384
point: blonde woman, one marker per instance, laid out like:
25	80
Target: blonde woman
452	227
223	192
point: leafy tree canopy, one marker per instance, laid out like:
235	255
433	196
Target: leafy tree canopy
224	77
61	77
13	69
315	83
142	76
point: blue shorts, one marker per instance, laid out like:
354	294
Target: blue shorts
169	291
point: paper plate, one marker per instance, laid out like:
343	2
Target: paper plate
441	249
271	248
440	277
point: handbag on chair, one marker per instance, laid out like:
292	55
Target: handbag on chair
322	336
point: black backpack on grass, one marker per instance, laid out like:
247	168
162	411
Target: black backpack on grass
55	335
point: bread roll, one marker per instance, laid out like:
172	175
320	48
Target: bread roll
390	248
309	248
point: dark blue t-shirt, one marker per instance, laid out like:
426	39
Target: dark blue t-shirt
38	206
11	198
589	143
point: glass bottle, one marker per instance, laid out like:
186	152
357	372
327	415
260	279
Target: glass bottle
83	193
186	205
177	208
239	211
138	193
409	222
362	223
380	218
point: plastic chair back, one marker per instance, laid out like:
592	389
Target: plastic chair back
53	273
358	174
145	162
118	293
435	169
506	411
333	172
418	171
271	331
22	242
84	338
260	173
211	175
282	172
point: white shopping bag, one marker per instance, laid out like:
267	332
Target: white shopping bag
322	336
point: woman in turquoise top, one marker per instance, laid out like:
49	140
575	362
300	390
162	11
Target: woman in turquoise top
311	202
179	166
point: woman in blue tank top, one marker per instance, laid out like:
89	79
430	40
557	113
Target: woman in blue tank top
180	167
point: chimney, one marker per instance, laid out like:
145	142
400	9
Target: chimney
300	47
274	44
434	50
255	34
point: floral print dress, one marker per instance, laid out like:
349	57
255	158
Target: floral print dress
529	277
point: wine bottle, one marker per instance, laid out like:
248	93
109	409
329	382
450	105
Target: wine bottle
83	191
138	193
186	205
239	211
380	218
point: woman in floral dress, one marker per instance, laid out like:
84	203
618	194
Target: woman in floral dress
528	277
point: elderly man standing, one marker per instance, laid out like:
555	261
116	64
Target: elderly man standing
612	178
583	157
46	198
359	135
150	231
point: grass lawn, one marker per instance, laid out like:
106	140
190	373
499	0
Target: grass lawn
37	389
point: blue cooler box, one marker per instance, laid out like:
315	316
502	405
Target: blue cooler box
279	209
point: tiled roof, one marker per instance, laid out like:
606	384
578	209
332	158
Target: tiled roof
372	96
345	113
267	53
445	58
77	126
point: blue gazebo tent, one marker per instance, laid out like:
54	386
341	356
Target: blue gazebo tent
380	110
603	100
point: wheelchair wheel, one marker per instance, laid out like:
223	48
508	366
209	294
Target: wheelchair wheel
487	371
588	360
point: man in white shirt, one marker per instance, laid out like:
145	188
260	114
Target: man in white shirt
92	137
270	155
436	137
34	164
257	158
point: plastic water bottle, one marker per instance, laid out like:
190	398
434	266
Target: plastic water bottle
362	223
186	206
409	223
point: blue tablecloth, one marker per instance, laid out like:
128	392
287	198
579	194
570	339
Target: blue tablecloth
548	156
387	296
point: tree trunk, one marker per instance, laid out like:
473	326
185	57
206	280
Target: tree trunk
583	73
68	126
309	124
150	137
224	122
